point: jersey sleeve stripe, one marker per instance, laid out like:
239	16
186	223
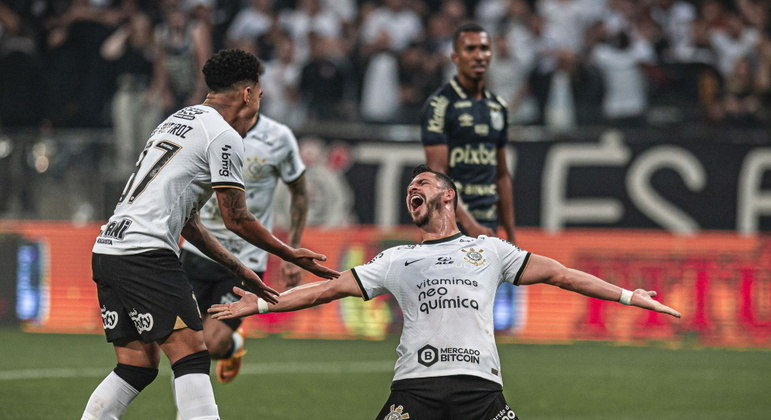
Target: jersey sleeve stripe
361	287
228	185
522	269
296	178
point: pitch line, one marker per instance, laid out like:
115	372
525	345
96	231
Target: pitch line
300	367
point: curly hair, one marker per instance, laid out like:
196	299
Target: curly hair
229	67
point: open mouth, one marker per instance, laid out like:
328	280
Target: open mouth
415	202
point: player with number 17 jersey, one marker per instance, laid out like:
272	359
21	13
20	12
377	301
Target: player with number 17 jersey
187	155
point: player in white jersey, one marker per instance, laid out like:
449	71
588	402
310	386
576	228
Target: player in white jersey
271	154
448	365
147	304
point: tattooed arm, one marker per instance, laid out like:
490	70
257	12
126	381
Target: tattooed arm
298	212
238	219
196	234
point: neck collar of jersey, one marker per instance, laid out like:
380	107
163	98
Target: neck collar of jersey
455	83
256	122
440	240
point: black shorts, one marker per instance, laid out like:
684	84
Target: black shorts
212	283
144	296
460	397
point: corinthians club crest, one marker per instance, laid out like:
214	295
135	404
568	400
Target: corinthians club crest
474	257
396	413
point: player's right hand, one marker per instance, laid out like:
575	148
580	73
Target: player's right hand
252	282
308	260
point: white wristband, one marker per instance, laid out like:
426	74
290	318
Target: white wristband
626	297
262	306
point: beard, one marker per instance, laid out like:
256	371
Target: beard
433	204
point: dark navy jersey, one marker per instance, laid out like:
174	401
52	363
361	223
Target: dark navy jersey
473	131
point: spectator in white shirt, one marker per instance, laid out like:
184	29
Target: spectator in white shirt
619	59
675	17
250	23
733	42
310	17
392	26
281	85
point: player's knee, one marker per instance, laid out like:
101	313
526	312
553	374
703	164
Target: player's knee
136	376
192	363
219	342
220	347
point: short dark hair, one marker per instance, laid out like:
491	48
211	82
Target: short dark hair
230	67
466	27
445	180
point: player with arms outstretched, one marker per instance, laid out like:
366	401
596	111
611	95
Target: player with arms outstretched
448	366
147	304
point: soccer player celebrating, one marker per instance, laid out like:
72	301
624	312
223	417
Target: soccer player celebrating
271	153
448	364
146	301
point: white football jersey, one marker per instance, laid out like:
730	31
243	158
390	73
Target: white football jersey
446	290
191	152
270	153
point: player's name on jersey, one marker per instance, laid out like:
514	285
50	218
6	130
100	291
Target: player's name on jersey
176	129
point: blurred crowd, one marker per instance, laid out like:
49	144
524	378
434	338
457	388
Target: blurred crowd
558	63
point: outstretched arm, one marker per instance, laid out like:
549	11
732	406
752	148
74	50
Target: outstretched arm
196	234
238	219
300	297
542	269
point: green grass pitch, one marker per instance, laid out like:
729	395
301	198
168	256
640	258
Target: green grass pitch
50	376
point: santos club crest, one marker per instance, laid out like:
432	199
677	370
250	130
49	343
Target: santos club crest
496	118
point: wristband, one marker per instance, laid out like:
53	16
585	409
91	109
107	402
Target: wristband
626	297
262	306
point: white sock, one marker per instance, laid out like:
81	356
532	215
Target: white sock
238	343
174	395
195	397
110	399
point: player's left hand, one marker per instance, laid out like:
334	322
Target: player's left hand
291	275
644	299
254	283
308	260
246	306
